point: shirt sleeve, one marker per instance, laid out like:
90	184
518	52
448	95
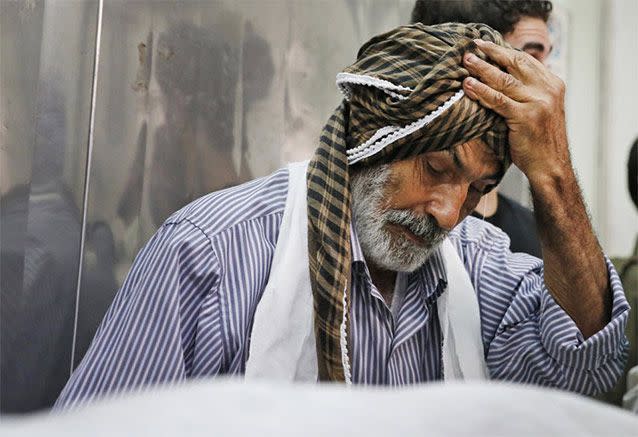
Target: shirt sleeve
528	337
148	334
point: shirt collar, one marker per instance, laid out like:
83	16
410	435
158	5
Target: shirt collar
431	276
357	253
359	265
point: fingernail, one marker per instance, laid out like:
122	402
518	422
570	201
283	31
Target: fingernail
470	58
470	81
479	42
469	91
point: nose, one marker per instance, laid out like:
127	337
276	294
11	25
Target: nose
446	208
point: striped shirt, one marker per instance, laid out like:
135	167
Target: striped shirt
186	308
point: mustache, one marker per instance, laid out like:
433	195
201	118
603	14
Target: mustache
424	227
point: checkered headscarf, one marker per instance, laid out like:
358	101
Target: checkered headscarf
403	97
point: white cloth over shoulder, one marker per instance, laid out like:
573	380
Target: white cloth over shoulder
282	345
458	310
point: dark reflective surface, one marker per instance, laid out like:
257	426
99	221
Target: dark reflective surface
46	82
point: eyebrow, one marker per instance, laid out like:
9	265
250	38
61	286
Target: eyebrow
461	166
535	46
456	159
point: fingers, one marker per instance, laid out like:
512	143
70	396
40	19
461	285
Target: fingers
490	98
492	76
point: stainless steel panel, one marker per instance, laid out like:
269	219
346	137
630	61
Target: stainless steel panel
47	58
197	96
20	40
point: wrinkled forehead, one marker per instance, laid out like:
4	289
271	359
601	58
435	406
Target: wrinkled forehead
475	159
531	35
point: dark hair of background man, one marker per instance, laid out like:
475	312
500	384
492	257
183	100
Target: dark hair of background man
501	15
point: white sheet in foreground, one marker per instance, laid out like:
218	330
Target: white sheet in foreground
231	407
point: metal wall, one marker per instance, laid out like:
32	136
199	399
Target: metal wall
46	75
190	97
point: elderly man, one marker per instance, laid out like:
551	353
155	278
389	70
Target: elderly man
523	24
361	266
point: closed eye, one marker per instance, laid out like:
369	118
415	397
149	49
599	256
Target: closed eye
433	170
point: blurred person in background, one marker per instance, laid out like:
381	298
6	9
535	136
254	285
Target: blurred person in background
198	72
523	24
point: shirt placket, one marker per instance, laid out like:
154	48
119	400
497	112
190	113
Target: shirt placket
370	307
404	362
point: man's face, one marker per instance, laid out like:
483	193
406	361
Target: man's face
404	210
531	35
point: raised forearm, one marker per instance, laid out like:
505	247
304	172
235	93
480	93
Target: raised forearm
531	99
575	270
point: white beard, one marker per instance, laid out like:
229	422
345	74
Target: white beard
381	247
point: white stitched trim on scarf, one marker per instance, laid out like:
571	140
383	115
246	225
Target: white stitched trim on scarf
378	135
346	79
345	361
380	140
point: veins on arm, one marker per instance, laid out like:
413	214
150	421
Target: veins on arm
575	270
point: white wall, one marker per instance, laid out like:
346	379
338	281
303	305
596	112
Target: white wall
619	128
582	99
602	120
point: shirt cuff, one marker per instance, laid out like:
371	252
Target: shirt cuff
565	343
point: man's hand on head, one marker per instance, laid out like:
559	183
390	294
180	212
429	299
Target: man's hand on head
531	99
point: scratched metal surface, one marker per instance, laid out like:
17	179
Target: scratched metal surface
46	75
